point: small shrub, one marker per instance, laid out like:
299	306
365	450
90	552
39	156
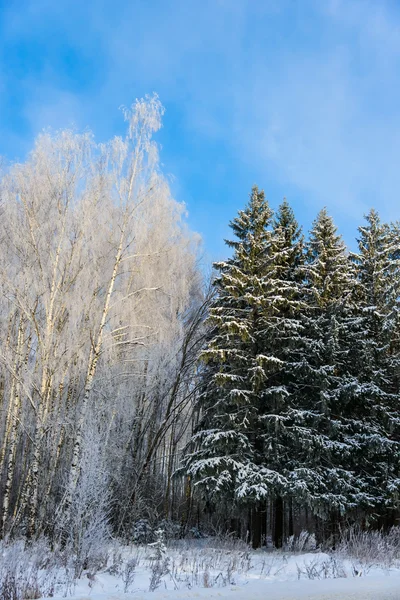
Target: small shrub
128	574
159	569
142	532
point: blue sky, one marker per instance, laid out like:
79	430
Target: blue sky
300	97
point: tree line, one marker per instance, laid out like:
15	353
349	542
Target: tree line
298	414
131	391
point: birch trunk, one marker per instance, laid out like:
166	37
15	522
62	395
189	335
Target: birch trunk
15	404
93	360
46	344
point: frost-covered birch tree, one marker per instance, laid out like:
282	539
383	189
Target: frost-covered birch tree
99	280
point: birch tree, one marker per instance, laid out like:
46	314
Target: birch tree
98	273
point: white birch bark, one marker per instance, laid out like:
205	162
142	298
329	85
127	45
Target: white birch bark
15	404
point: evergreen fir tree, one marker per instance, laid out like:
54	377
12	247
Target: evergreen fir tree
225	457
282	338
242	445
376	361
323	472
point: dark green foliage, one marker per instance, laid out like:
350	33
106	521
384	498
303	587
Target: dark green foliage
376	360
242	442
326	478
301	370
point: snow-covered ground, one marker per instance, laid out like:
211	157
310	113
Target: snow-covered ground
199	573
368	588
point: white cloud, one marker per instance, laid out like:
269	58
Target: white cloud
320	110
328	120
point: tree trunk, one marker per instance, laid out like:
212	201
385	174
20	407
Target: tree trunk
278	523
290	524
15	403
257	515
93	360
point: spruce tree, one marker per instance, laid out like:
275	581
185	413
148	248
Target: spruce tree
376	362
242	445
282	338
225	458
322	470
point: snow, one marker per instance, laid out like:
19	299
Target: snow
255	576
371	588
